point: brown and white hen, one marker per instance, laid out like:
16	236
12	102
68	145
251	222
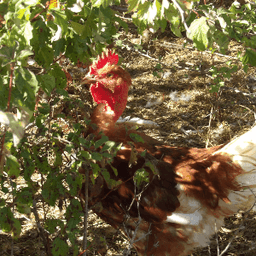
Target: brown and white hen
191	190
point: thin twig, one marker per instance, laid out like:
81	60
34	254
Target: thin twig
217	240
142	237
249	110
80	254
181	15
10	86
209	128
38	14
152	58
13	213
86	210
123	18
132	240
40	228
209	250
172	45
162	63
119	8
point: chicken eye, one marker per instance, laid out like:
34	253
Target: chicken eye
109	75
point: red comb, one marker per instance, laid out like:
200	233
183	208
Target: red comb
106	57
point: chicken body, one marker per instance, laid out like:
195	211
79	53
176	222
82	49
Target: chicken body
188	195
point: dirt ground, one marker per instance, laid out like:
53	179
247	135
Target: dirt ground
171	84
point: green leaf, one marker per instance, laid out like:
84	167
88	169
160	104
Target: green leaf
60	19
59	247
52	224
222	40
162	24
173	16
2	202
199	30
74	183
45	56
103	3
107	155
16	227
27	32
24	196
122	23
132	4
44	108
5	219
53	187
110	182
101	141
106	175
249	57
12	166
176	26
59	76
20	13
72	224
140	176
27	85
4	91
146	11
108	146
96	169
96	156
152	12
59	46
151	166
23	208
114	170
47	82
85	155
143	153
165	5
214	88
77	27
63	93
6	55
24	54
118	147
58	159
136	137
245	68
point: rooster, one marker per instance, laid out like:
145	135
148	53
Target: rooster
189	190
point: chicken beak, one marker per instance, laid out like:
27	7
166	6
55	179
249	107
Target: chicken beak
88	80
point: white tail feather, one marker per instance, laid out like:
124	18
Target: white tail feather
242	151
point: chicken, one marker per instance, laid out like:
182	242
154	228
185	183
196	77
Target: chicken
189	190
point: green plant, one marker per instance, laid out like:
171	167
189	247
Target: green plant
158	68
219	75
31	28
